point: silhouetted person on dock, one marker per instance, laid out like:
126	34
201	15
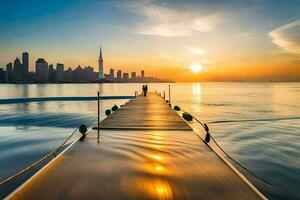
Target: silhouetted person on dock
146	90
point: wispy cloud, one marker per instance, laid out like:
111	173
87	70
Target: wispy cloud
169	22
249	34
195	50
207	62
287	37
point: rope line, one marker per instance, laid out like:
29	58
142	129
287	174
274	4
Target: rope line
239	164
53	152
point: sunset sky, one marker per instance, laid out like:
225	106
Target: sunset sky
231	40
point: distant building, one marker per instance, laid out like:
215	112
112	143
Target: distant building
2	75
143	74
100	63
88	73
59	75
41	70
125	76
95	75
17	71
68	75
111	74
51	73
31	76
25	63
133	75
106	76
51	68
9	73
119	75
78	74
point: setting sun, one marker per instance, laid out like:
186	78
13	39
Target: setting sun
195	67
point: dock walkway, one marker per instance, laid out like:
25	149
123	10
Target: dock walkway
146	151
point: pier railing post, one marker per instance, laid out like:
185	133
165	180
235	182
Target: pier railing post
98	99
170	94
98	124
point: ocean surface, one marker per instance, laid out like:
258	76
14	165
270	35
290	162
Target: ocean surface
258	124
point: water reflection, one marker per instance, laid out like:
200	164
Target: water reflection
150	188
197	90
277	159
159	189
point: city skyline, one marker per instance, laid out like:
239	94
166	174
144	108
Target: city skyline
231	40
17	72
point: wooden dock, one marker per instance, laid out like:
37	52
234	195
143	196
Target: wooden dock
150	113
146	151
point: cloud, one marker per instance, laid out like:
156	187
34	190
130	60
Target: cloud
166	30
249	34
287	37
170	22
195	50
207	62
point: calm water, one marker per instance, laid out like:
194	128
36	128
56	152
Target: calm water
256	123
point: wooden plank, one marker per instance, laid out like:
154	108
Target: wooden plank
138	164
150	112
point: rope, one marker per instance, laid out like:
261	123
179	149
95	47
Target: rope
239	164
53	152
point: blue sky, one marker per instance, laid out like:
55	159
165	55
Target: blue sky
155	34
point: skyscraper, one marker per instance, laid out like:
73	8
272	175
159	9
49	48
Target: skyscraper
125	76
68	75
133	75
25	63
9	73
41	70
112	74
143	74
119	75
59	72
51	73
17	71
88	73
2	75
100	62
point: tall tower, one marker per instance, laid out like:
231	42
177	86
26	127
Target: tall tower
25	63
17	71
100	62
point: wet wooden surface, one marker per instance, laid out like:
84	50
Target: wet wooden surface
150	112
138	164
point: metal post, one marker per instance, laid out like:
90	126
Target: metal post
98	99
98	108
169	93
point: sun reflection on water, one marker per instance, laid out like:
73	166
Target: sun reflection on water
150	188
197	90
162	190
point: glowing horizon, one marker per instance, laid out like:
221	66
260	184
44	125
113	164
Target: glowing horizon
162	37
